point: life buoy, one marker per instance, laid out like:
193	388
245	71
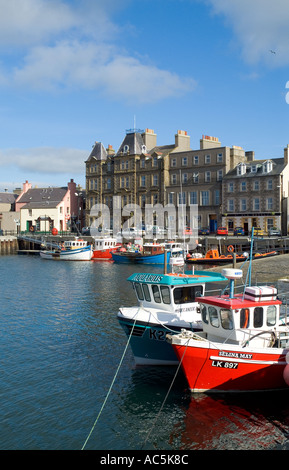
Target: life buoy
31	228
230	248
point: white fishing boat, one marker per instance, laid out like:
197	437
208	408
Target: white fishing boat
166	304
70	250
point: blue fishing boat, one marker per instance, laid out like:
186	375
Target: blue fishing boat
166	304
149	253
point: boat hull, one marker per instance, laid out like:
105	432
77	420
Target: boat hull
138	258
228	259
84	254
209	368
148	342
102	254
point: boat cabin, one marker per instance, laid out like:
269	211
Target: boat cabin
74	244
252	318
102	244
172	292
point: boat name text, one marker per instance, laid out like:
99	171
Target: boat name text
148	277
235	354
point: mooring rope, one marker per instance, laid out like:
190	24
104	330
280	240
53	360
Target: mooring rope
110	388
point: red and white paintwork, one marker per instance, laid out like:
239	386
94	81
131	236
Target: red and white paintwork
241	357
103	247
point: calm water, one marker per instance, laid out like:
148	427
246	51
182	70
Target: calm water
61	345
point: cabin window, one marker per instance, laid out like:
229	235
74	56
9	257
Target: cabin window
165	291
244	318
156	294
213	314
204	314
139	291
271	315
226	319
146	292
258	317
187	294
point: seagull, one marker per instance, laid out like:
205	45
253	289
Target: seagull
272	52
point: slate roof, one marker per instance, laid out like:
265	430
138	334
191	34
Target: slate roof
8	198
278	166
36	198
134	142
98	152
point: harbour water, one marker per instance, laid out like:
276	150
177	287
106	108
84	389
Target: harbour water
61	350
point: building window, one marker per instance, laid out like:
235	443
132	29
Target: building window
243	186
193	197
207	176
217	197
256	204
230	187
219	175
204	198
173	162
195	177
185	161
182	198
171	198
231	205
219	158
207	159
155	162
243	204
270	184
142	181
155	198
241	169
196	159
155	180
174	179
108	183
185	177
269	203
142	163
256	185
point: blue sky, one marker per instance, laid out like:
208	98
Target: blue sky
73	72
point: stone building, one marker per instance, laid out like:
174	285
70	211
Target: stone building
142	173
255	194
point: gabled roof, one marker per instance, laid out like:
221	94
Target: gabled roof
42	197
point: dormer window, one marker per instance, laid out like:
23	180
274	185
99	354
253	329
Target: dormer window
241	169
126	149
267	166
144	149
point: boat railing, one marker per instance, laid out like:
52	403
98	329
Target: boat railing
273	337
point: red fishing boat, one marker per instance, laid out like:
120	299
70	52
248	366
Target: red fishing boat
244	344
104	247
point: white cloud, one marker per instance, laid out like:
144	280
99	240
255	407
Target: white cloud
48	160
260	26
62	45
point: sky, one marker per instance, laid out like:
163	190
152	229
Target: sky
73	72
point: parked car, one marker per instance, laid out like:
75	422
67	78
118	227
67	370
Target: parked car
258	232
274	232
85	231
239	231
222	231
204	231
